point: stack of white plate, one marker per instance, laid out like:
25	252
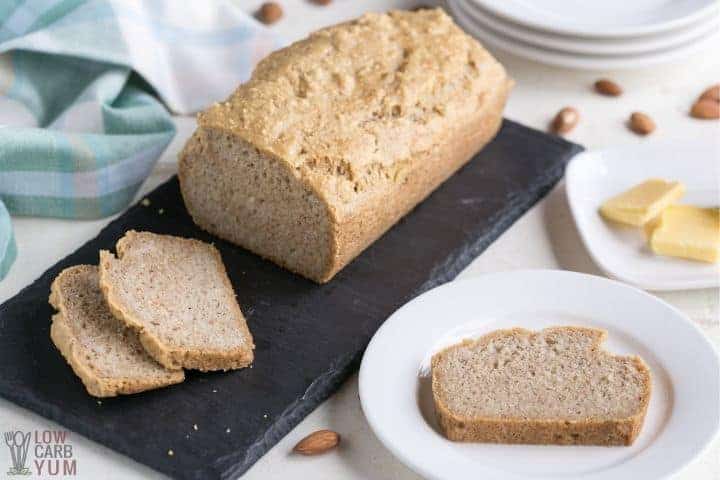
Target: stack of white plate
612	34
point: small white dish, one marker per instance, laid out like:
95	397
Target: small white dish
682	418
591	46
621	252
611	18
494	39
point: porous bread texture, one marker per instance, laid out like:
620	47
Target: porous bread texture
101	350
176	294
555	386
336	137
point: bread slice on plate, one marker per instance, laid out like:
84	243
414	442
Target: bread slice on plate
176	294
555	386
102	351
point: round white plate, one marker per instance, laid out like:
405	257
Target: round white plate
682	418
609	18
594	46
579	61
594	176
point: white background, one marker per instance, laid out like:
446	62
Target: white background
545	237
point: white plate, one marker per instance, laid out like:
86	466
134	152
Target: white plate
580	61
622	252
684	411
609	18
594	46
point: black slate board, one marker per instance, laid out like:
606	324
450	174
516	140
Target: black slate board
309	338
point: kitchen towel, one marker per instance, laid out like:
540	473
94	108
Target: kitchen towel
81	124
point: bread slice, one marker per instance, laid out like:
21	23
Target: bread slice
102	351
556	386
176	294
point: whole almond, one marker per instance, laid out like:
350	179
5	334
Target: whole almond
641	123
270	12
706	109
608	87
322	2
317	443
565	120
711	93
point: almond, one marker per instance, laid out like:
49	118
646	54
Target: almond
322	2
711	93
608	87
565	120
270	12
317	443
706	109
641	123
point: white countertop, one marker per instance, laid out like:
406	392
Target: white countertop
545	237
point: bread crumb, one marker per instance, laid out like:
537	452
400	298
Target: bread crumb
227	431
265	416
99	402
161	211
145	202
195	426
170	453
214	390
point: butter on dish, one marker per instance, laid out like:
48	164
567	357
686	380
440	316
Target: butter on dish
643	202
687	231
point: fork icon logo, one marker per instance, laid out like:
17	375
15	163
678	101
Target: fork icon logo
18	442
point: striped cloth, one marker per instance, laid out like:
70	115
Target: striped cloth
81	124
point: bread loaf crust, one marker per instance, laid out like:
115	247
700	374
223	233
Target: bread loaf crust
365	118
590	431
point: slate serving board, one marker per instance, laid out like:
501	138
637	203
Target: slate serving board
308	337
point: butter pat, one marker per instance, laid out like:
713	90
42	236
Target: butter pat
688	232
643	202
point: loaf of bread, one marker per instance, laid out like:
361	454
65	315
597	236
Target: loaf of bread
176	294
556	386
102	351
337	136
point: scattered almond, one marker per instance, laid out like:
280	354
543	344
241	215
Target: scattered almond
608	87
641	123
565	120
706	109
270	12
711	93
317	443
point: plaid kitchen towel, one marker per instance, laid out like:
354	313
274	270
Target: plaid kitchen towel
80	122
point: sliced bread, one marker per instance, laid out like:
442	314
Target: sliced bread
102	351
556	386
176	294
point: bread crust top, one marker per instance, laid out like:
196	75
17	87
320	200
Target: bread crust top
349	106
